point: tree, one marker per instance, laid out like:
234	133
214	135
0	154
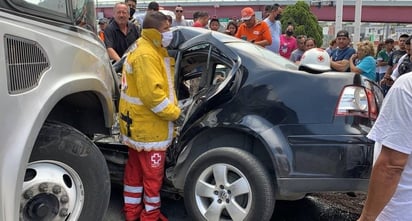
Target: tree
304	21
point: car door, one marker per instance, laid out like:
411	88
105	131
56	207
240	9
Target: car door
206	78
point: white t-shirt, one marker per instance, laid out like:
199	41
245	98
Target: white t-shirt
393	128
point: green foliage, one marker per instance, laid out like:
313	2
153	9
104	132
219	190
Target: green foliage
304	21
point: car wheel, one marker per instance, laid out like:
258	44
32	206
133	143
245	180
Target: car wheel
228	184
66	179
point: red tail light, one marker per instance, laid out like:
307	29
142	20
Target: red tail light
357	101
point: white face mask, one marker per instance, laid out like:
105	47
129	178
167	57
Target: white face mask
167	38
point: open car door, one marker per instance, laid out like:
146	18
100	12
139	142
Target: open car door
207	76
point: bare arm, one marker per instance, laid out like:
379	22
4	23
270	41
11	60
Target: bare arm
262	43
113	54
352	66
383	182
340	65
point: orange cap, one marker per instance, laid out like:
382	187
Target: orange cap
247	13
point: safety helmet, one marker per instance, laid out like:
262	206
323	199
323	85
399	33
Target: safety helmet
316	59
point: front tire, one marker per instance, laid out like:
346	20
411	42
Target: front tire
66	179
228	184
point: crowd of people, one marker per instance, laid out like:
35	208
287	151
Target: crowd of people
147	89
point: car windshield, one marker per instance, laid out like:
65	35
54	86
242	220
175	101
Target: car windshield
82	12
260	53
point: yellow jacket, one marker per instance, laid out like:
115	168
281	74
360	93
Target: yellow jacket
148	104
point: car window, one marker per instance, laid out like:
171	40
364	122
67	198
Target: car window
52	5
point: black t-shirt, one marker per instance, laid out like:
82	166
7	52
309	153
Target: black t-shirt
395	56
114	38
405	66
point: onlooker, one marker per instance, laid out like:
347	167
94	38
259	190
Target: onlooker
120	33
287	42
179	20
195	16
169	19
390	185
202	18
393	60
132	7
405	62
102	27
253	30
214	24
332	46
147	109
310	43
297	53
383	59
275	27
340	56
365	63
231	28
268	9
152	6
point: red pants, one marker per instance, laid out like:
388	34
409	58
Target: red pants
143	177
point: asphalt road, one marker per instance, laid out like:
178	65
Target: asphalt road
307	209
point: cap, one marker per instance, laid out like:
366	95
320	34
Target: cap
102	21
247	13
342	33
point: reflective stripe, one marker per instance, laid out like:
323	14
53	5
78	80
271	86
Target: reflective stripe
158	145
133	189
128	67
133	100
132	200
161	106
155	199
169	78
149	208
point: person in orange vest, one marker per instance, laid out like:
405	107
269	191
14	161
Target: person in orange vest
102	27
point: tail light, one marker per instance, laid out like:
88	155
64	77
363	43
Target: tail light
357	101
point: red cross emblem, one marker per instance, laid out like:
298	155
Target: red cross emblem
155	158
320	58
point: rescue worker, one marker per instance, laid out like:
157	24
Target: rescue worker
148	107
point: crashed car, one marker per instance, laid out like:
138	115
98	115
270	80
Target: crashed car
257	129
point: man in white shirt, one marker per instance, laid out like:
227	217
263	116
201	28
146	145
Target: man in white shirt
390	187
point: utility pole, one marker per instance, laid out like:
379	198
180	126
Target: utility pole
339	12
358	18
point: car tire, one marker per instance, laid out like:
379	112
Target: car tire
228	184
66	179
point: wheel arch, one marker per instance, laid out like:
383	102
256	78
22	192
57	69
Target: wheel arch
84	111
222	137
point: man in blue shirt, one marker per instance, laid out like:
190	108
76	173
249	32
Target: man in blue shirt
275	27
341	55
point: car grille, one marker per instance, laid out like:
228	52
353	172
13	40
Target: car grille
26	60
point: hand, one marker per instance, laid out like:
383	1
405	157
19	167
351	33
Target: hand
353	57
179	121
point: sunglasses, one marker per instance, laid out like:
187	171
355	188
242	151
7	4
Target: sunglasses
179	10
